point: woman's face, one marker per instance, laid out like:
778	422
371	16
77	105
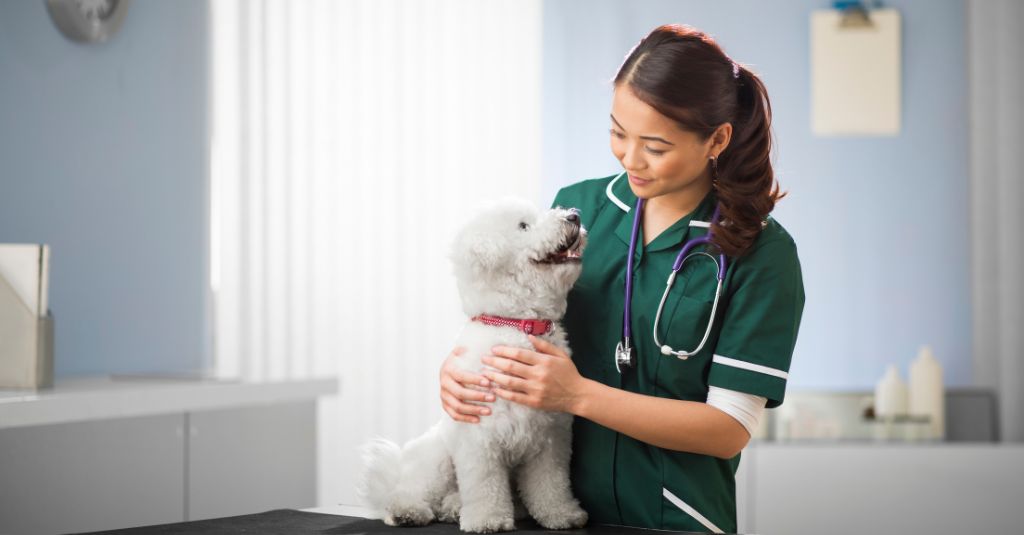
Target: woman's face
660	158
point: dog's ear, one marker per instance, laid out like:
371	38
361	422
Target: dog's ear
475	251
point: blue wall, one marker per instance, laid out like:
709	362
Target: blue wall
881	223
103	151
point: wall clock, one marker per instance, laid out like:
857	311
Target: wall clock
88	21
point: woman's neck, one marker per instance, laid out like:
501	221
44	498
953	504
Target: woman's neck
677	204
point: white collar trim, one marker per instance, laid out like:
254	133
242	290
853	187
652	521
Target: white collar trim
612	197
625	207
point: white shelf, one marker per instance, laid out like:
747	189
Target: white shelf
98	398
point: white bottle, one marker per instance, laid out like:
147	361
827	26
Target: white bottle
927	396
890	394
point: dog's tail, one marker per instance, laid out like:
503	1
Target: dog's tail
382	467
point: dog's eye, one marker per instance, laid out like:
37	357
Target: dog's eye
523	225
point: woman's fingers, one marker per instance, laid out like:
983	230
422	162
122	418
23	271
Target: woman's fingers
454	414
456	399
457	389
543	346
524	356
450	370
461	393
508	382
461	398
461	408
517	397
466	378
508	366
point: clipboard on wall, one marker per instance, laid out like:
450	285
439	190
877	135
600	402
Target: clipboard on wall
855	71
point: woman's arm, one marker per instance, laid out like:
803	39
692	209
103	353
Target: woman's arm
667	423
547	379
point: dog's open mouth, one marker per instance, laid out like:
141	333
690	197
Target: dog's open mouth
570	250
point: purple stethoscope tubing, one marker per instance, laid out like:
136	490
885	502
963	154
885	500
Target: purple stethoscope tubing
629	267
623	351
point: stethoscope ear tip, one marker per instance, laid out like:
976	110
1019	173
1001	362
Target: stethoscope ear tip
665	350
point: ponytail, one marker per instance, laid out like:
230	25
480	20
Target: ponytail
746	186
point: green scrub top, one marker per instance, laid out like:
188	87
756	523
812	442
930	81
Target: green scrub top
620	480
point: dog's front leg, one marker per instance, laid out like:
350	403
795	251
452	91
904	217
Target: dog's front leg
544	483
484	490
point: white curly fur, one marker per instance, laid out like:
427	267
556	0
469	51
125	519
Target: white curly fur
467	473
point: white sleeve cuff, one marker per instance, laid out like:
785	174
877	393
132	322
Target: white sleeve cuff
744	408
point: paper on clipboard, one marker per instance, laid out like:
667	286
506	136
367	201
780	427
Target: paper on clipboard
855	75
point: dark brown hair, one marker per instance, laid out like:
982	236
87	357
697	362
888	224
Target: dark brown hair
683	74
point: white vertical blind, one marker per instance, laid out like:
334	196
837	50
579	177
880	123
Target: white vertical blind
997	189
349	139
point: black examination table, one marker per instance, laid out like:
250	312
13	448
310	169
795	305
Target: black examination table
289	521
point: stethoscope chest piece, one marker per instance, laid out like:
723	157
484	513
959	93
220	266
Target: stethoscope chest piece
625	355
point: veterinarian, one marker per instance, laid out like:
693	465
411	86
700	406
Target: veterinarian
659	426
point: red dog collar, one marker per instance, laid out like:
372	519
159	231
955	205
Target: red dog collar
534	327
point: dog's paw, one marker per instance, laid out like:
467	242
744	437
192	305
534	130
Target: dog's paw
574	517
450	507
409	515
486	525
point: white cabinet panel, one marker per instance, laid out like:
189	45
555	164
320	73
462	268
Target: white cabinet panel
838	489
744	486
91	476
252	459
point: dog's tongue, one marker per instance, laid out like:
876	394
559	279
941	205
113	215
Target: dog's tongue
568	251
572	251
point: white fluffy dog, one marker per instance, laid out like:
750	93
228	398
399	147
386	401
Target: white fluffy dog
512	262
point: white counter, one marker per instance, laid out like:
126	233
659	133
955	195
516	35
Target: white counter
851	488
131	451
85	399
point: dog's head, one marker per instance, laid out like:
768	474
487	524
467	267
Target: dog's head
512	259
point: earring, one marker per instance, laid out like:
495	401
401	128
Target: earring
714	170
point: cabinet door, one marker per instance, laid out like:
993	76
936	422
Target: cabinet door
251	460
90	476
744	485
856	489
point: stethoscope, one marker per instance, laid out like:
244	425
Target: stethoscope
624	351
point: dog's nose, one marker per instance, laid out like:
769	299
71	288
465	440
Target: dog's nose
573	217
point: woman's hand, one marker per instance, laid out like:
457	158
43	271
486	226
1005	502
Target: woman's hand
543	379
460	395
